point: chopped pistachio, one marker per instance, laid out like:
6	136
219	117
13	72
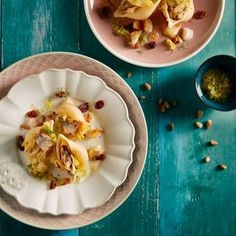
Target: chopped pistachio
170	44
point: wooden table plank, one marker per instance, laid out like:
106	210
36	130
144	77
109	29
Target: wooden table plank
31	27
196	198
139	215
11	227
193	201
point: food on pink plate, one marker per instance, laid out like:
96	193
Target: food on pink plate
140	22
136	9
177	11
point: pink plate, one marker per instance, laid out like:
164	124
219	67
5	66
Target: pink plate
204	30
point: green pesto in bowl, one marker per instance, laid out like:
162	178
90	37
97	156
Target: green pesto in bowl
217	85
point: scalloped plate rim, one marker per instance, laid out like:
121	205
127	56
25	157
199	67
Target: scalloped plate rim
19	200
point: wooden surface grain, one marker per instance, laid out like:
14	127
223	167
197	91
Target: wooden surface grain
196	198
177	194
31	27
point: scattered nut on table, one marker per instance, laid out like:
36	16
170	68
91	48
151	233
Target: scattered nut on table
222	167
207	159
162	107
142	98
171	126
198	124
147	86
199	114
213	142
129	74
167	104
208	124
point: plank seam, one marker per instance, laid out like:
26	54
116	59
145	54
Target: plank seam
79	25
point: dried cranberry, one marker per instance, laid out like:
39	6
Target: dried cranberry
20	140
52	184
32	114
151	45
84	107
104	12
61	94
100	157
99	104
129	27
199	15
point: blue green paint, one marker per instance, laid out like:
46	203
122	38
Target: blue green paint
193	198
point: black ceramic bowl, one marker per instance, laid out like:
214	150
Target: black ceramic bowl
225	64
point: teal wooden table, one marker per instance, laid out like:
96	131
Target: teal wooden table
177	194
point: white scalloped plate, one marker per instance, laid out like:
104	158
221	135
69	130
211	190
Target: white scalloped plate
119	136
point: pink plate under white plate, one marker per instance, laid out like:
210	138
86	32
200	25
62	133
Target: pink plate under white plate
100	186
204	30
38	63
